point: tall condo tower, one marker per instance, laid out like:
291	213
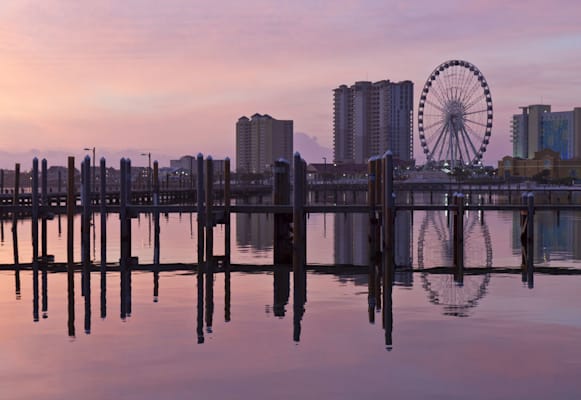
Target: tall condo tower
260	141
370	118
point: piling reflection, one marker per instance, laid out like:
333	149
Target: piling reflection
281	286
103	294
71	303
35	297
299	301
44	291
200	308
125	292
87	273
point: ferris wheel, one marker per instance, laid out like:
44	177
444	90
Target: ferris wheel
455	115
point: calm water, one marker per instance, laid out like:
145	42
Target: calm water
490	338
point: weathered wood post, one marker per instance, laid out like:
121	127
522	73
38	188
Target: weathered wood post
86	221
15	206
372	179
209	192
71	205
282	252
388	216
298	218
35	213
44	212
123	217
103	211
200	210
156	228
129	201
530	238
389	242
227	203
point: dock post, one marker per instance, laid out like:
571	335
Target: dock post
1	181
530	238
156	229
372	194
123	213
103	211
282	252
86	221
299	238
200	210
103	231
15	206
227	201
35	213
44	204
71	205
209	192
128	202
388	215
389	246
209	219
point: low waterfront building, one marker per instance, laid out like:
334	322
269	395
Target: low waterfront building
546	163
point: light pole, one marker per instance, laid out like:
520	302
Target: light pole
148	170
92	172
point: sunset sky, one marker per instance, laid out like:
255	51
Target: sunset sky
172	77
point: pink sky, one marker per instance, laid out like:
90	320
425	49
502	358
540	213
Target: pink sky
172	77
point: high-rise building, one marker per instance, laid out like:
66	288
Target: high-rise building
260	141
370	118
538	128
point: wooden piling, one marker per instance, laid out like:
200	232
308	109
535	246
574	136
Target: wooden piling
371	203
227	203
209	192
123	217
86	219
156	228
200	210
388	259
282	251
299	232
388	217
44	210
71	204
103	212
15	203
35	213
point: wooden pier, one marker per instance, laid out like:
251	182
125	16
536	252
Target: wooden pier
213	204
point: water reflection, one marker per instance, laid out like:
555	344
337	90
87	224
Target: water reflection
281	286
255	231
556	237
